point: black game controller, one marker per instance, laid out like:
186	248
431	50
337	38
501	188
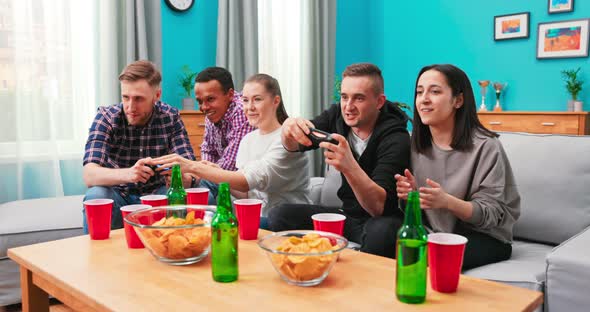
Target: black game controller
318	136
154	167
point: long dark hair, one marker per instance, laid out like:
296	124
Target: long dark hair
271	85
466	120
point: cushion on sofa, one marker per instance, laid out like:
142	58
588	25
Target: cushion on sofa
525	268
332	182
315	185
552	173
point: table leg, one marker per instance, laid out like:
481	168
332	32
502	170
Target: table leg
34	298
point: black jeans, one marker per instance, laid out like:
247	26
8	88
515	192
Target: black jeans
376	235
482	249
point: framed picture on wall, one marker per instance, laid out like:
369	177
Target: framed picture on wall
563	39
511	26
560	6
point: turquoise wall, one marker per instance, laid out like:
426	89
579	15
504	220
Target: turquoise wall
421	32
359	29
187	38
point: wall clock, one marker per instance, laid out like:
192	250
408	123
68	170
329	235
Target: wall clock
180	5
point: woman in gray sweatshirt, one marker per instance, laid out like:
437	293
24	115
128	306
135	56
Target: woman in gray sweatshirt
459	167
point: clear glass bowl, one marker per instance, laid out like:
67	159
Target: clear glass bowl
174	244
298	266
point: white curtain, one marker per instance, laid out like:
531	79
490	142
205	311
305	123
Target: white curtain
279	49
300	55
59	60
49	95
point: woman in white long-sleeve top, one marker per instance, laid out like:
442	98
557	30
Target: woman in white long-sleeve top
464	178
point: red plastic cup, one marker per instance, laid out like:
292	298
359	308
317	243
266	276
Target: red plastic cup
155	201
199	212
98	217
248	213
133	240
445	258
329	222
197	196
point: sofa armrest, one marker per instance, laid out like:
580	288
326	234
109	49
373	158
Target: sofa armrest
315	183
568	273
32	221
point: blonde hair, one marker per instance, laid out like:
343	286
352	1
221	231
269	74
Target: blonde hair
140	70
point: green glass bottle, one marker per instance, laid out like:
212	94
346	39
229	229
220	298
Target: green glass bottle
224	239
411	254
176	193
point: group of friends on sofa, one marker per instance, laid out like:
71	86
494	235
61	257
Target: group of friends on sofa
460	169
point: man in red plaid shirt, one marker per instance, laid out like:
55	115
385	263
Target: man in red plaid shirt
225	122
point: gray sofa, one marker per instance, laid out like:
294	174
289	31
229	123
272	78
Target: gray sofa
551	250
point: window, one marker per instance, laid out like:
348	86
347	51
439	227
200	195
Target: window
47	93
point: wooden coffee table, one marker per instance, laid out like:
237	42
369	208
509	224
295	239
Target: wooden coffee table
106	276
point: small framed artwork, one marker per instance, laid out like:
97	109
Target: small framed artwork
560	6
511	26
563	39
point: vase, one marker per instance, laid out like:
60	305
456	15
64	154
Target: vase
578	106
570	105
188	103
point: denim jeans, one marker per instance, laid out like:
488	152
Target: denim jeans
213	189
264	223
100	192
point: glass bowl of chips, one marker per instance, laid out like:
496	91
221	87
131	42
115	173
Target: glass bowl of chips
176	235
303	258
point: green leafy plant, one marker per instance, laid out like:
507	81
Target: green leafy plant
186	80
572	84
337	84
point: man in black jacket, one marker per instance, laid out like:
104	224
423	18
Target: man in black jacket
373	145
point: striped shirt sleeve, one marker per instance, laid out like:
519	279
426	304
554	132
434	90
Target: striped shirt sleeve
240	128
206	147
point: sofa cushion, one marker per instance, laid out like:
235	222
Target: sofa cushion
315	185
526	267
26	222
552	173
332	182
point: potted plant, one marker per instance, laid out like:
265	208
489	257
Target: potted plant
186	81
573	86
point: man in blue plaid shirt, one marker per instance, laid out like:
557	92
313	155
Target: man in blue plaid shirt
125	137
